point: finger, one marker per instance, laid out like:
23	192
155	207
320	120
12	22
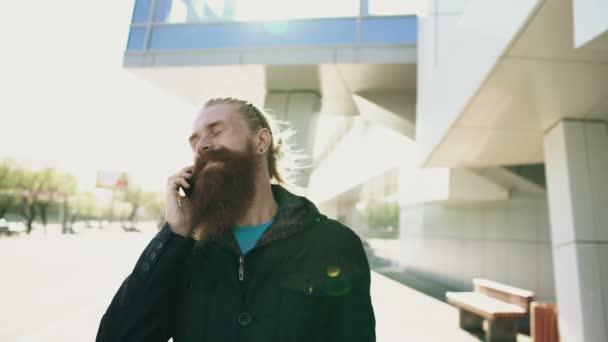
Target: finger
185	175
188	168
183	183
175	183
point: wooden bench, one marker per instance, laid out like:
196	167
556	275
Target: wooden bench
500	305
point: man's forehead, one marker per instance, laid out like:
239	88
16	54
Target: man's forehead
220	112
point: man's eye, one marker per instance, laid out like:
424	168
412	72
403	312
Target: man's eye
216	133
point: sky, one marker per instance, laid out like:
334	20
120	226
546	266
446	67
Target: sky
67	102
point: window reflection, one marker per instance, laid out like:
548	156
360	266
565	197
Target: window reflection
185	11
396	7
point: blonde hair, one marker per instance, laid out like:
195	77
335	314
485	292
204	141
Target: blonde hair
283	161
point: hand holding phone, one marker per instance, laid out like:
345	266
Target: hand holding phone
187	190
179	211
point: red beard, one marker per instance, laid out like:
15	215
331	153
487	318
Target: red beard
223	187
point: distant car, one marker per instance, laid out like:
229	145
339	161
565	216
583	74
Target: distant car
17	227
7	228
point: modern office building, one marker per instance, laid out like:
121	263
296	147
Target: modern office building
477	127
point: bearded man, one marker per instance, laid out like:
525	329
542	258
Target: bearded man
241	258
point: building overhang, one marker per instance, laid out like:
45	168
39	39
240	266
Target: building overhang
540	79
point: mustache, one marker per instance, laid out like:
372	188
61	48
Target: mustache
220	154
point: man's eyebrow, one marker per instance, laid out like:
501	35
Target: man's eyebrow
208	127
214	124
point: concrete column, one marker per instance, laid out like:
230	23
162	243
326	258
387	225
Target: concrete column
576	161
301	110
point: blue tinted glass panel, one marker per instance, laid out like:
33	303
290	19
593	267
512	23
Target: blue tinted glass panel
389	30
193	11
163	11
136	39
141	11
255	34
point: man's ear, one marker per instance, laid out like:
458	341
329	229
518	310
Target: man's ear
263	141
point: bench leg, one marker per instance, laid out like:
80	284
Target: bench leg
502	330
470	321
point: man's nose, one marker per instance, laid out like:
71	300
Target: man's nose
203	146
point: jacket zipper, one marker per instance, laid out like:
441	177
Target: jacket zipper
241	268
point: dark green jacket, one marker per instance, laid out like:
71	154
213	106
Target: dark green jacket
306	280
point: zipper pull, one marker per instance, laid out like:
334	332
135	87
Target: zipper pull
241	268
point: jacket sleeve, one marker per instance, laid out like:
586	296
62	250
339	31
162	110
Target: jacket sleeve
143	308
352	316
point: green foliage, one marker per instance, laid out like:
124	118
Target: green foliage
154	205
382	218
85	206
40	195
150	204
32	193
9	179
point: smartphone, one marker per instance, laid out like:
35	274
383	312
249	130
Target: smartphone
188	191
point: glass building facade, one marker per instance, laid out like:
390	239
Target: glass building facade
200	24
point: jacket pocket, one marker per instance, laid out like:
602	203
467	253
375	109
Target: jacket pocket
304	309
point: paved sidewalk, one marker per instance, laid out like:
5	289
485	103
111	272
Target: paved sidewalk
56	288
409	307
403	314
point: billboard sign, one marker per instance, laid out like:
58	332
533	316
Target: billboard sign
112	180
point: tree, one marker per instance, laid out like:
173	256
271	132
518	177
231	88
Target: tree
151	203
133	195
33	192
30	182
54	188
129	203
67	187
9	178
382	218
84	206
154	205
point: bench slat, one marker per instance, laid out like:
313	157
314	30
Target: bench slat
483	305
505	293
503	288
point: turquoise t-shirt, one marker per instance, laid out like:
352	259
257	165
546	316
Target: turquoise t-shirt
248	236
